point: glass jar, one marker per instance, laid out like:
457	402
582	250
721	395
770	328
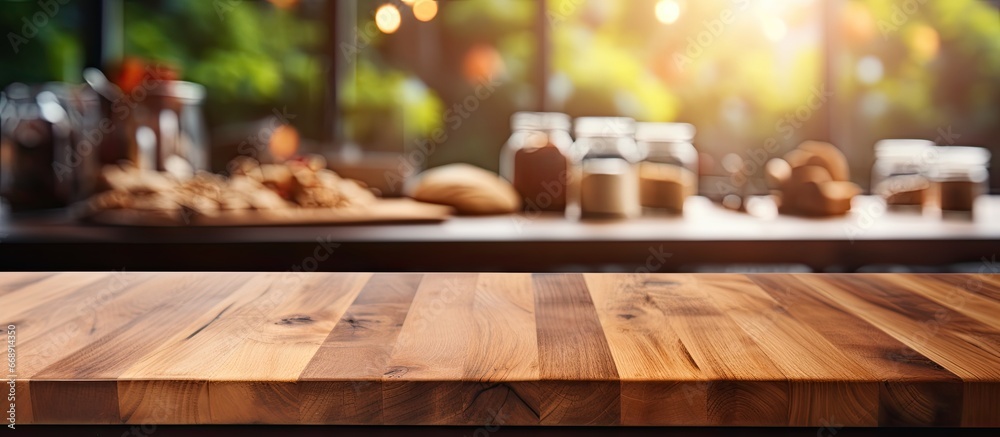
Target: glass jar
167	131
959	176
899	174
535	159
606	157
669	173
47	150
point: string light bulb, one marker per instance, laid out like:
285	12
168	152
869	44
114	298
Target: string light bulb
387	18
774	28
425	10
667	11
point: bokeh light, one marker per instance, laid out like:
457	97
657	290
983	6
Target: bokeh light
387	18
667	11
775	28
870	70
284	142
874	104
482	61
425	10
926	42
732	162
858	24
284	4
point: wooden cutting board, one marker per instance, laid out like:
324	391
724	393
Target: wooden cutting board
825	351
382	211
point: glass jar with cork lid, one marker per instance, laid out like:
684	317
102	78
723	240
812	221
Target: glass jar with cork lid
535	159
606	158
669	173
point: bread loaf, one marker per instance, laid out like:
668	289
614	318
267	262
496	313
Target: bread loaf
469	189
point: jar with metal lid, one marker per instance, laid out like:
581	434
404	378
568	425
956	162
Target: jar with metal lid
959	176
607	157
899	174
535	159
669	173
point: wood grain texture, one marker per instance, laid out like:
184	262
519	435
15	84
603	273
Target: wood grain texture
578	379
506	349
342	384
890	361
947	333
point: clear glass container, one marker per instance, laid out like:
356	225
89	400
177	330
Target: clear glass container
899	174
669	173
959	176
167	129
535	159
606	160
49	140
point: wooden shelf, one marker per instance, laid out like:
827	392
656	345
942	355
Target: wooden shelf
706	234
509	349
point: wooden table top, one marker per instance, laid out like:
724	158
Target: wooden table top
510	349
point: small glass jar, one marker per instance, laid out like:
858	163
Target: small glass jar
606	159
535	159
959	176
899	174
669	174
172	114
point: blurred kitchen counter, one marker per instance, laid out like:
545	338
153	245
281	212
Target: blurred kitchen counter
706	235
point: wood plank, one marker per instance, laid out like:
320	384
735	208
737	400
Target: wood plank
267	330
90	401
432	343
85	311
431	347
824	382
462	353
17	302
82	317
964	346
957	298
299	323
985	286
990	274
183	355
741	385
646	348
981	401
885	357
744	385
502	357
342	384
182	298
48	333
634	318
959	343
798	350
578	378
14	281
